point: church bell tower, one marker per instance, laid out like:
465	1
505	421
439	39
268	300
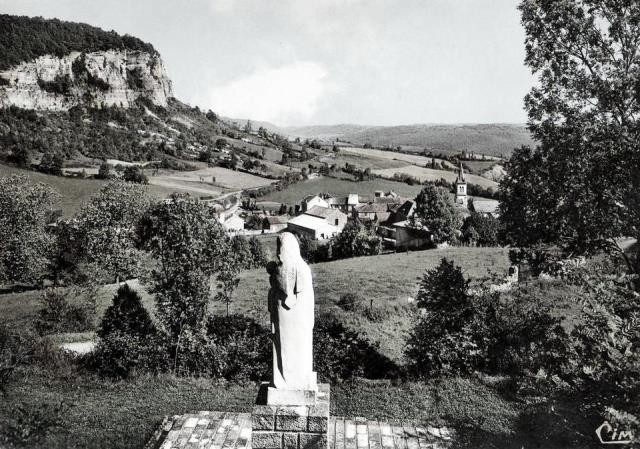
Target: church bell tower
461	188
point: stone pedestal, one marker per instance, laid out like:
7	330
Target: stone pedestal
282	426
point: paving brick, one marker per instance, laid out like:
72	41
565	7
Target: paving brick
290	440
313	441
266	440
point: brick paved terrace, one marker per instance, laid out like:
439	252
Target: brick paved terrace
219	430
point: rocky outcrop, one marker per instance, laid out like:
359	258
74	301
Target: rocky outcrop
97	79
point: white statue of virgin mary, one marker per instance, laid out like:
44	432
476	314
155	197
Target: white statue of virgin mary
291	306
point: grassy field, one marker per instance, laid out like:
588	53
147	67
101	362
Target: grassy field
394	156
124	414
386	281
428	174
296	192
74	191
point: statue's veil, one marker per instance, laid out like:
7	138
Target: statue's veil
289	252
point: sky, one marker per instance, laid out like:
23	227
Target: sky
321	62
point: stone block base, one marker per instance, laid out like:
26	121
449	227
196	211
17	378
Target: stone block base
291	426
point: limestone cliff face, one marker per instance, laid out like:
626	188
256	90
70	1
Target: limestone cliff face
103	78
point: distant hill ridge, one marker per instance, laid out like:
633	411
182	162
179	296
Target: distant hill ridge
491	139
26	38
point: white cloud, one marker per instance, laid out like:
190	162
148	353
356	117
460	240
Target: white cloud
221	6
284	95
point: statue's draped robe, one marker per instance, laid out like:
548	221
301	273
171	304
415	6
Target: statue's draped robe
291	306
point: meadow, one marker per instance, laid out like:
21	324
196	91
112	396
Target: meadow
394	156
123	414
339	187
73	191
429	174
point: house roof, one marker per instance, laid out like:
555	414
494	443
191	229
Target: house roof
325	213
486	206
310	197
371	208
309	222
282	219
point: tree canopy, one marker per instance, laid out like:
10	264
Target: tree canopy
579	187
25	38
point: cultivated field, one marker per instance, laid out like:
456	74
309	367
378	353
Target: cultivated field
411	158
294	193
202	180
428	174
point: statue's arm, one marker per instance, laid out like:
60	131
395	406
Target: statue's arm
288	287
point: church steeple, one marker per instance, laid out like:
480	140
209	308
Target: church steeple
461	187
461	174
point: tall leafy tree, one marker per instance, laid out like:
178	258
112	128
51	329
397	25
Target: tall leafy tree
27	245
436	212
356	240
579	188
190	247
100	240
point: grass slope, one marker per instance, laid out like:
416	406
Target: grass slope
73	191
296	192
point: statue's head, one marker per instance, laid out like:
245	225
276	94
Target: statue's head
288	248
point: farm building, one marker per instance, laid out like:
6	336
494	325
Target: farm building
311	201
408	237
275	223
318	223
345	203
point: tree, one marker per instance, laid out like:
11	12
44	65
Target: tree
27	245
221	143
435	212
127	338
355	240
133	173
104	172
247	127
481	229
99	242
51	163
190	247
579	187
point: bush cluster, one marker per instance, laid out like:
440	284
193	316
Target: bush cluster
460	333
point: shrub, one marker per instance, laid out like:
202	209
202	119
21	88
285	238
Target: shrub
104	172
58	315
51	163
245	347
127	338
16	349
31	423
341	354
350	301
460	333
133	173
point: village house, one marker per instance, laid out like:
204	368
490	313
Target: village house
318	223
312	200
275	223
345	203
372	212
408	237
